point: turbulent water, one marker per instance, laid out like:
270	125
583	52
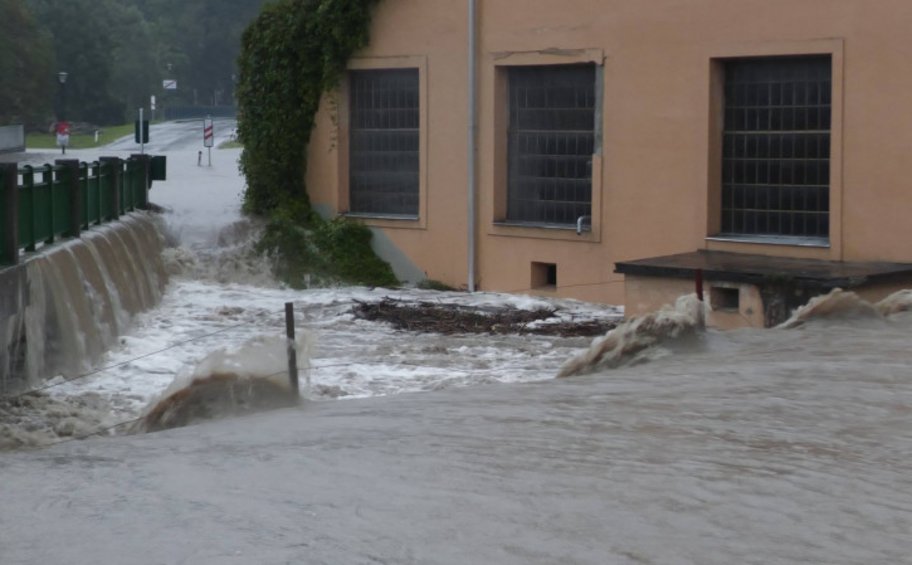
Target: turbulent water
642	337
221	296
753	446
671	444
230	382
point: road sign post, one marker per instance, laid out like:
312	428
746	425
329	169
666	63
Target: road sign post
208	136
141	132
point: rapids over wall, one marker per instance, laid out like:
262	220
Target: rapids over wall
63	307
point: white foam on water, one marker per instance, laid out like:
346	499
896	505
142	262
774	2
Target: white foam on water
636	339
842	305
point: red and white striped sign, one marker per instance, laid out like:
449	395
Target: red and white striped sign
208	133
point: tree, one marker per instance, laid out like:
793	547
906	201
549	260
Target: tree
201	41
135	70
26	63
83	49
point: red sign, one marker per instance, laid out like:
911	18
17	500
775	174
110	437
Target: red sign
63	128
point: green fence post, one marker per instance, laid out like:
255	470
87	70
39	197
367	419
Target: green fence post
85	186
145	162
96	166
47	179
28	185
115	164
9	180
129	185
70	167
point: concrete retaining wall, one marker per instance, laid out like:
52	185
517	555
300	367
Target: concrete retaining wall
66	304
12	139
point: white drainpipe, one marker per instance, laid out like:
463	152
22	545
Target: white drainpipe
473	121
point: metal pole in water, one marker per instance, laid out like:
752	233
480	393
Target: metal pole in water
292	352
472	145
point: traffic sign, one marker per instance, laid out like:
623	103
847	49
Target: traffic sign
208	133
141	132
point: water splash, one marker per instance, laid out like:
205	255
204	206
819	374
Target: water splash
230	257
640	338
840	304
248	378
900	301
632	340
38	420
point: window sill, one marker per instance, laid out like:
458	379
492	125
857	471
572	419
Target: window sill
364	216
562	232
791	241
387	220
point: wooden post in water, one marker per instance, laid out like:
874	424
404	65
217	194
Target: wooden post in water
292	352
70	169
9	182
698	280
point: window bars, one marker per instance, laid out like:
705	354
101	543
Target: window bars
384	144
776	146
550	143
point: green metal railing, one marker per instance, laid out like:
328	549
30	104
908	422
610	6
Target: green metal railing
39	205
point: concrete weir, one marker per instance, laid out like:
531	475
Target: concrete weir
62	307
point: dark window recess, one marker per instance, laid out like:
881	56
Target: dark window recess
550	143
776	146
384	147
544	275
723	298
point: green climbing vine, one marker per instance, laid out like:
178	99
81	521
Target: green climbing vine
294	52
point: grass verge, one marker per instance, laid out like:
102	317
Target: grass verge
79	141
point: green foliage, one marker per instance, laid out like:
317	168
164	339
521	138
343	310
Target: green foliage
431	284
103	46
200	41
294	52
290	55
346	245
79	140
26	66
308	250
116	52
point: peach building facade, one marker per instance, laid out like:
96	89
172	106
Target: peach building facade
612	131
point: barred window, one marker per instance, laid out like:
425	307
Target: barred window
551	139
384	142
776	146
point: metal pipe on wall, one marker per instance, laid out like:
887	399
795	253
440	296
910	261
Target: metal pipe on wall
471	146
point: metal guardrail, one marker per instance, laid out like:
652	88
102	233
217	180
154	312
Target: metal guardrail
49	202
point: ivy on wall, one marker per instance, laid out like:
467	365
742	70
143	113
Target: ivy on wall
290	55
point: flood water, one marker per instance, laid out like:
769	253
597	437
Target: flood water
778	446
750	446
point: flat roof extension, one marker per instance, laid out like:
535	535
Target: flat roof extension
764	269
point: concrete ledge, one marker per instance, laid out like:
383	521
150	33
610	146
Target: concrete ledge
764	269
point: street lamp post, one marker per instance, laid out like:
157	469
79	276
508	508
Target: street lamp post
63	128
